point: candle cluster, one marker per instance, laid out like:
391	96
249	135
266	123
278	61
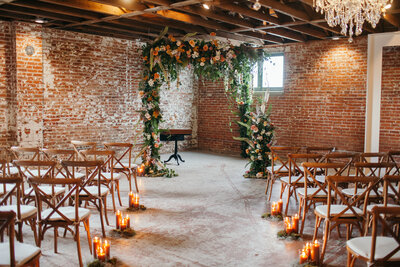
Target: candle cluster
122	223
276	208
101	249
140	170
292	226
133	200
310	253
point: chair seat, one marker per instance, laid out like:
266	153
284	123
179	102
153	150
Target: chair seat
320	178
35	173
23	253
350	192
390	190
47	190
26	211
311	191
369	207
384	245
293	179
322	210
69	212
93	190
277	169
13	171
77	175
107	175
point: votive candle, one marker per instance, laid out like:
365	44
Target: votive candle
315	252
128	221
101	255
131	199
118	217
136	201
280	206
95	244
106	248
295	223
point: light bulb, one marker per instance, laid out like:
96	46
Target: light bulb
206	6
257	5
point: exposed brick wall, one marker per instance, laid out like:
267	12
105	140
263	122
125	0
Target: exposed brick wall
79	86
390	103
7	85
214	118
324	95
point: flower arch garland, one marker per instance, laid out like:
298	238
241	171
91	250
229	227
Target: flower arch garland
211	60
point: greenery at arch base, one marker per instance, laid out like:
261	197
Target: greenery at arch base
212	60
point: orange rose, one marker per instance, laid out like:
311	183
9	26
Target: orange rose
145	77
155	52
168	47
154	93
205	47
141	93
203	59
213	34
222	59
171	38
149	99
145	58
156	113
196	48
156	75
192	43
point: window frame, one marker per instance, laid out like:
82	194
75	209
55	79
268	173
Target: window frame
260	73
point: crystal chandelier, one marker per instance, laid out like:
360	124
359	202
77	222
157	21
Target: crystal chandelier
351	13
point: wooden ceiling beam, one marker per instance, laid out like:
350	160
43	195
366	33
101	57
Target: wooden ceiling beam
240	38
392	19
2	2
284	25
309	31
265	37
88	6
287	34
284	9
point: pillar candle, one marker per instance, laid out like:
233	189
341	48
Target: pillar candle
118	217
101	255
95	244
308	249
303	257
131	199
315	252
273	209
128	221
280	206
123	224
106	248
136	201
295	223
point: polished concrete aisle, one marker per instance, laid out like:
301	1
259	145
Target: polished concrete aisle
207	216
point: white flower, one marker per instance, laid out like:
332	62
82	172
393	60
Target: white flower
162	48
211	61
269	133
217	57
259	157
263	132
147	116
151	82
252	157
259	137
202	64
195	54
174	52
178	43
150	106
259	174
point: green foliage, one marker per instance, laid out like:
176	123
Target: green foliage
213	60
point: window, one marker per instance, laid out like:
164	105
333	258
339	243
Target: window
269	74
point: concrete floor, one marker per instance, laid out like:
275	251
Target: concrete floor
207	216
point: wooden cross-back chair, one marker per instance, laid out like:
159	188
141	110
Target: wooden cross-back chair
373	157
15	253
369	169
391	197
108	177
394	156
7	155
314	190
348	212
123	161
319	149
58	155
59	214
25	213
37	169
91	190
82	145
346	157
279	165
23	153
295	178
377	250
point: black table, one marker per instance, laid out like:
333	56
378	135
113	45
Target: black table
174	135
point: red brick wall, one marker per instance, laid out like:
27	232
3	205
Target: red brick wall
390	103
214	118
77	86
323	102
324	95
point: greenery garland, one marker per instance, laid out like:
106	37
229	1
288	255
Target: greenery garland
211	60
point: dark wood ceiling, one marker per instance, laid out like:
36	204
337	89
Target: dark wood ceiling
275	23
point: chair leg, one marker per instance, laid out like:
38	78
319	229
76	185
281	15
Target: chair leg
135	177
78	244
326	236
270	188
267	187
317	223
129	177
348	259
101	217
87	228
119	195
112	197
303	217
283	187
34	229
105	209
20	236
287	202
55	239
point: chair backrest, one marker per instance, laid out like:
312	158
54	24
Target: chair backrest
394	156
105	156
311	171
15	190
351	203
82	145
30	168
25	153
349	158
279	157
43	197
373	169
123	154
7	222
92	173
58	155
391	183
373	157
295	161
383	215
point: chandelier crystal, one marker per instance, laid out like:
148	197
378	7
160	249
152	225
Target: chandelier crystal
351	14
